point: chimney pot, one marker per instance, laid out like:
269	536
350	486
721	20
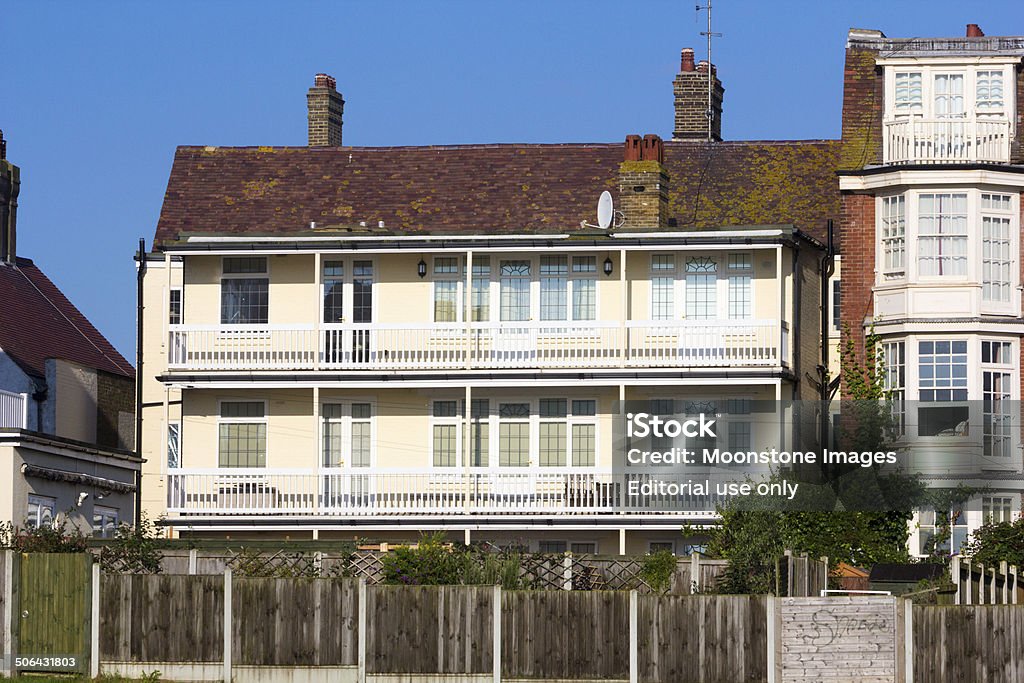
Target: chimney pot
325	81
686	59
633	151
974	31
653	149
3	146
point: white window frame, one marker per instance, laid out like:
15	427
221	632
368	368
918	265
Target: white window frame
346	420
41	504
109	518
456	421
347	288
456	277
928	72
244	420
265	275
724	272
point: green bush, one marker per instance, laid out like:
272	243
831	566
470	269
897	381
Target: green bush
658	569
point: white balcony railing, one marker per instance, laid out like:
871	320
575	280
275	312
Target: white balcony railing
686	343
13	410
368	491
915	140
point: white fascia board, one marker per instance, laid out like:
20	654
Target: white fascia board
454	381
952	60
931	178
215	239
948	326
539	522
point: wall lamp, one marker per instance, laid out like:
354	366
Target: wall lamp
421	269
607	266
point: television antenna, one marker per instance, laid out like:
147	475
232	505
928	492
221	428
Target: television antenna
710	113
607	216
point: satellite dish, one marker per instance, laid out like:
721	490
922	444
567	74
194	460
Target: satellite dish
605	210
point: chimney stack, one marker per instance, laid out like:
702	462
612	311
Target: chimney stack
326	107
644	183
691	99
974	31
10	185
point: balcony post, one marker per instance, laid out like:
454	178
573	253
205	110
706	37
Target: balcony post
468	313
623	310
467	447
317	445
318	279
781	307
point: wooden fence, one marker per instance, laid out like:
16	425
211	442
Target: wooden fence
800	576
977	584
968	643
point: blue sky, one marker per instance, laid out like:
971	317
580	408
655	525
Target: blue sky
95	96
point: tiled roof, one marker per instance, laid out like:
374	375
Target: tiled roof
38	322
515	188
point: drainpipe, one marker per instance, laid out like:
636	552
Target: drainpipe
828	267
141	256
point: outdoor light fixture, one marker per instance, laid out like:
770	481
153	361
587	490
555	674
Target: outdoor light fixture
607	266
421	268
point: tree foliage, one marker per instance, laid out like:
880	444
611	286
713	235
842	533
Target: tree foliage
997	542
863	514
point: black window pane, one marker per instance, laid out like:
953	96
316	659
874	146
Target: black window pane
244	301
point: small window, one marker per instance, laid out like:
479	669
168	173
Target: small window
242	409
836	294
583	408
552	547
661	546
40	512
583	548
104	521
174	309
237	266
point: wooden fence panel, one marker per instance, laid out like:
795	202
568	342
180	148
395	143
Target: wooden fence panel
565	634
161	618
429	629
294	622
969	643
702	638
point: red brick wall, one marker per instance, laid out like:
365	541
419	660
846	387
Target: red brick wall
863	100
857	232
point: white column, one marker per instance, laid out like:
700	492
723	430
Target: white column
227	626
622	541
317	454
623	308
467	448
468	311
781	308
318	279
94	626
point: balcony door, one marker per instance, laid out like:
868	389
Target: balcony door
348	311
347	432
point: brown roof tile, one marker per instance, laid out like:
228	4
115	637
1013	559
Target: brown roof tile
515	188
38	322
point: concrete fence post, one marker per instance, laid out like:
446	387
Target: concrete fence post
634	637
8	616
193	560
567	572
362	634
227	625
772	638
908	641
954	573
94	625
1013	589
496	635
694	572
1004	573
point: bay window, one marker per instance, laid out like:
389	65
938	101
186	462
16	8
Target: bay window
997	247
942	388
942	235
997	376
893	235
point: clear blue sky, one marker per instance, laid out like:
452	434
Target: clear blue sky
94	96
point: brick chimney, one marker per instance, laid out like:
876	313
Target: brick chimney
691	97
974	31
326	107
643	183
10	185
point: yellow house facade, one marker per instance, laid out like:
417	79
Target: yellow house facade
344	342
